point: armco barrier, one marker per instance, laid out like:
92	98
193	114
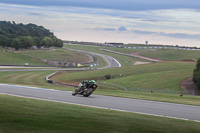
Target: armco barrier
49	80
56	83
162	48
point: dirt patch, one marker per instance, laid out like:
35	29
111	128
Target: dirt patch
193	60
89	59
146	58
136	53
189	87
141	63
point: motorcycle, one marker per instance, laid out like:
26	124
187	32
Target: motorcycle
86	89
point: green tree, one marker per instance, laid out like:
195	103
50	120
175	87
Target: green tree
28	35
23	42
2	38
29	41
57	42
4	41
196	74
16	43
7	42
37	41
47	41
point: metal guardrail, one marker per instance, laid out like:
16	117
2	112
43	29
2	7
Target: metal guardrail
187	48
57	83
49	80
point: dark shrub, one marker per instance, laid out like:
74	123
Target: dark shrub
107	76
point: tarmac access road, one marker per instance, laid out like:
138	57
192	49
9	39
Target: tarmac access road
171	110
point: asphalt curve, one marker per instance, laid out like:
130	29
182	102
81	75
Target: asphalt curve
178	111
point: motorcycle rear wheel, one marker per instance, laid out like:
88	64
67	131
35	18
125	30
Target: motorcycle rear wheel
88	92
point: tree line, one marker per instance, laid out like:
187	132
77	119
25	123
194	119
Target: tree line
25	36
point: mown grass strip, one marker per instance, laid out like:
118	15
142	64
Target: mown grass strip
11	58
30	78
156	96
57	54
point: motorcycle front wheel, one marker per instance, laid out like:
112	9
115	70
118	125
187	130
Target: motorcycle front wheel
88	92
74	92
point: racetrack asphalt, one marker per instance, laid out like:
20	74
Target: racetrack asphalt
171	110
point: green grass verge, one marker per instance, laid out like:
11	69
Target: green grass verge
2	49
11	58
102	62
22	115
30	78
57	54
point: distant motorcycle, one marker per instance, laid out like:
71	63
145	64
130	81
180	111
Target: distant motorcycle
86	88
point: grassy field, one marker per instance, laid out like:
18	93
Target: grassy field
170	79
167	75
124	60
21	115
164	54
172	54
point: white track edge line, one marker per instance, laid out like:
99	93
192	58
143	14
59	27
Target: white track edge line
111	96
32	87
101	107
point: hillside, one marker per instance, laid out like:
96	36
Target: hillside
46	57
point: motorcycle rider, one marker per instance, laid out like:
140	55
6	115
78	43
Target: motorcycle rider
85	84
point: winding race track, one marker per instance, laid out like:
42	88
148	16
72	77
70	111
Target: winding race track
177	111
